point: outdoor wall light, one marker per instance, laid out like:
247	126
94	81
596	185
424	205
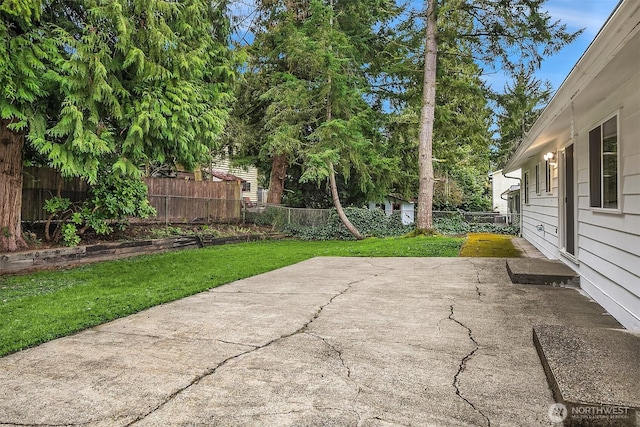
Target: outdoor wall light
550	157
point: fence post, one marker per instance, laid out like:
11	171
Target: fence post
208	216
166	211
289	216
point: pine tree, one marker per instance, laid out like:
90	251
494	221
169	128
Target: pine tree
519	106
308	79
462	117
496	32
95	85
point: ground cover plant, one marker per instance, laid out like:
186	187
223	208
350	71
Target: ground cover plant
373	223
489	245
41	306
456	225
369	222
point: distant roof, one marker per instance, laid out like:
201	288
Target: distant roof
225	176
400	197
511	189
610	59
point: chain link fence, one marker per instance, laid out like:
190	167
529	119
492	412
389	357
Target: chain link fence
279	216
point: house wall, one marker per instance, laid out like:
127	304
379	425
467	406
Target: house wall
607	243
540	215
250	175
500	184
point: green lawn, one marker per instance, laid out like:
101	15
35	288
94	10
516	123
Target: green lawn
39	307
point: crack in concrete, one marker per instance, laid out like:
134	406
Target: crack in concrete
387	421
238	343
370	262
478	280
224	362
479	293
170	338
463	365
348	369
440	322
128	334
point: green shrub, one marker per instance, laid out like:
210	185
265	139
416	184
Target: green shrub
456	225
452	225
370	223
494	228
110	203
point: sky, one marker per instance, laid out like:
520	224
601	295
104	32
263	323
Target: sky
577	14
588	14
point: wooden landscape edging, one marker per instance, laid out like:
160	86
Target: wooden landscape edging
65	257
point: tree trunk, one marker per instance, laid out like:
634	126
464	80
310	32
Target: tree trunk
427	117
336	202
332	173
10	189
279	166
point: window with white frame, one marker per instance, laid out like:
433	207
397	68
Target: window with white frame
603	165
526	187
537	184
547	176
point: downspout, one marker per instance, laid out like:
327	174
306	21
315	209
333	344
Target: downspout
521	203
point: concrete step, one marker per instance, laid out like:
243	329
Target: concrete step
538	271
593	372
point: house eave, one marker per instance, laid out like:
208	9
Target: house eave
551	130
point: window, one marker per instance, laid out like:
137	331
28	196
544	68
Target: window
603	165
246	186
547	176
537	178
526	188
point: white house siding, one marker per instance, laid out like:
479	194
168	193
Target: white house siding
500	184
605	82
540	215
250	175
608	243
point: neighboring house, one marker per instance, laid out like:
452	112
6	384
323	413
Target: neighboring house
581	169
248	176
512	195
394	203
499	185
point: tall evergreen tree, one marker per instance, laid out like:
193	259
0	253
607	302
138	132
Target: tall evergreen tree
107	85
497	32
519	106
462	117
308	79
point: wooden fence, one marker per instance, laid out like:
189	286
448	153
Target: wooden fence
179	200
40	184
175	200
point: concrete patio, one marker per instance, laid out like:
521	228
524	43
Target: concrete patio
327	342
